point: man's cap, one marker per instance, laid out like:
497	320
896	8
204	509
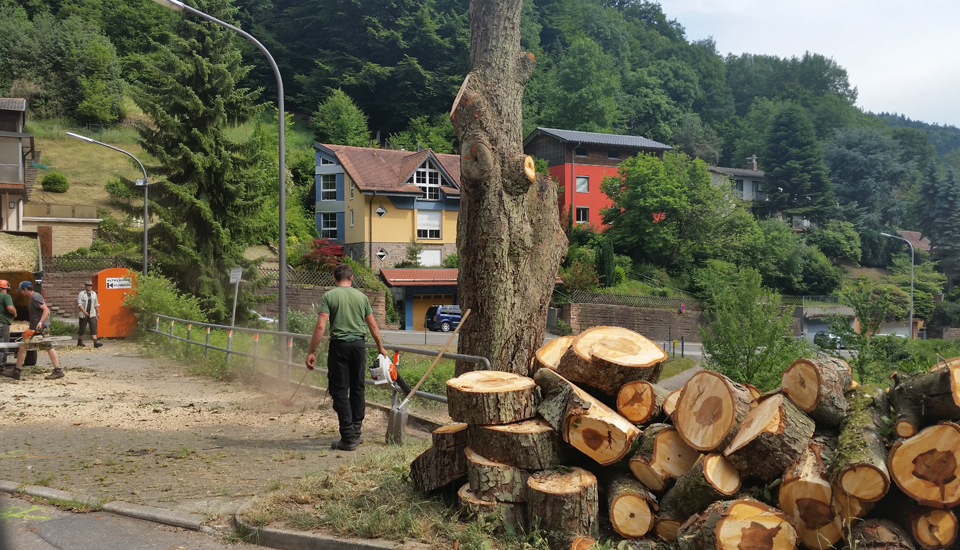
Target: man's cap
25	285
88	283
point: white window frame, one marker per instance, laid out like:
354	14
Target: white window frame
351	191
427	178
431	229
351	217
327	193
586	214
586	184
328	231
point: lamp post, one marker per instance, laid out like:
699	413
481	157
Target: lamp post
139	183
177	5
911	276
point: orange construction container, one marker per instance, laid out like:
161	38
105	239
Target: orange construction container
112	286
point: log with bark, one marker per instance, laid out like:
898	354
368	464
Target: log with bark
738	525
585	423
770	439
564	503
641	402
932	528
513	514
935	394
548	355
710	410
879	534
632	507
816	386
491	397
491	480
711	479
907	421
606	358
925	467
860	464
444	462
531	444
806	497
661	456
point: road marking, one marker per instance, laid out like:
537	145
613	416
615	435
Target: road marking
16	512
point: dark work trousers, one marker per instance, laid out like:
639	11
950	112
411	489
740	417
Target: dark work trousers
346	370
4	338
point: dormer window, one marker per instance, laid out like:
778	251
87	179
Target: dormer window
427	178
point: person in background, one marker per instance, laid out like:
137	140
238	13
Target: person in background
39	315
88	313
7	314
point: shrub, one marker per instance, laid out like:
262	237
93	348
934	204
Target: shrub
563	328
157	294
451	261
55	182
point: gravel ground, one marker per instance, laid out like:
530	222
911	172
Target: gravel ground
144	430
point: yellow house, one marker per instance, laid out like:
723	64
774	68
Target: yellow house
374	201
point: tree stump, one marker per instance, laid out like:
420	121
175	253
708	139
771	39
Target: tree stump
631	506
641	402
491	480
771	438
662	455
491	397
738	525
513	514
670	403
565	503
806	497
925	467
530	445
444	463
710	410
908	420
711	479
548	355
606	358
860	465
879	534
817	386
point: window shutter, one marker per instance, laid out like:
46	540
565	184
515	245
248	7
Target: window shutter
429	219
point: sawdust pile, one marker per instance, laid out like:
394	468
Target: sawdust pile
18	253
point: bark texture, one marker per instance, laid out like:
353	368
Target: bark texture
513	514
531	444
444	462
695	491
860	465
771	438
816	386
491	480
879	534
738	525
491	397
566	503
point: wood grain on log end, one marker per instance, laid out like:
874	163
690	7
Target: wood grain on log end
710	410
927	466
491	397
549	355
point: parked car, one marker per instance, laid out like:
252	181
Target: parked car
442	318
828	340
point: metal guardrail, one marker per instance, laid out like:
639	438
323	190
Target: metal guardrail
288	338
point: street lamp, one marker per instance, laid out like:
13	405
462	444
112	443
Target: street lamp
139	183
911	276
176	5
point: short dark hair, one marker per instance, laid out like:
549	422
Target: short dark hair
342	272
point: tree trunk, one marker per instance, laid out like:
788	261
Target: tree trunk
509	233
806	497
548	355
907	422
606	358
661	456
925	467
713	478
491	480
816	387
531	444
935	394
444	463
710	410
491	397
631	506
566	503
641	402
513	514
860	465
738	525
879	534
771	438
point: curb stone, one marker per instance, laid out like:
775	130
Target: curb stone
295	540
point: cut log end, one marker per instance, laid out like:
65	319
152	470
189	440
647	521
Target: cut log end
905	428
927	466
549	354
670	403
739	525
667	529
606	358
529	168
718	471
640	401
631	515
709	409
599	438
491	397
582	543
867	483
934	529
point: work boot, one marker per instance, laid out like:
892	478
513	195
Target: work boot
339	445
15	373
57	373
80	344
97	344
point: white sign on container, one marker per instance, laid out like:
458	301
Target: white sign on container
118	282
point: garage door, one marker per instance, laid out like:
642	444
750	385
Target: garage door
421	302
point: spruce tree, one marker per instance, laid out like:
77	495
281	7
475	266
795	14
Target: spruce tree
210	186
797	181
945	237
605	264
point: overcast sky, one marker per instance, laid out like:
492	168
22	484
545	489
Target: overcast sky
901	56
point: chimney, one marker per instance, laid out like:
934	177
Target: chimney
752	162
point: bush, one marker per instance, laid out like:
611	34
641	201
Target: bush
154	294
451	262
55	182
563	328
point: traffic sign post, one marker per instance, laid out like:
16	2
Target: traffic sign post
235	275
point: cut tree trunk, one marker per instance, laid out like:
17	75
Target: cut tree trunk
816	387
491	397
491	480
590	426
860	465
606	358
879	534
908	421
935	394
641	402
564	504
771	438
710	410
711	479
670	403
661	456
549	354
925	467
531	444
631	506
444	463
806	497
513	514
738	525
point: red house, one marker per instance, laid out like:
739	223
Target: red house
580	161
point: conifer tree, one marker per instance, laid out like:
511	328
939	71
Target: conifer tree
606	264
210	186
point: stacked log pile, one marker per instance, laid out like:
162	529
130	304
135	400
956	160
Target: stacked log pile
592	440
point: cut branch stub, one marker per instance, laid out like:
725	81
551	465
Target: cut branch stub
710	410
860	465
817	386
771	438
565	503
491	480
738	525
531	444
548	355
631	506
925	467
491	397
806	497
606	358
641	401
713	478
661	456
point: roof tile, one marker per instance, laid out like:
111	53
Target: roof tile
400	277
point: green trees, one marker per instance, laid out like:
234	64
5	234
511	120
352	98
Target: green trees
606	264
585	90
338	121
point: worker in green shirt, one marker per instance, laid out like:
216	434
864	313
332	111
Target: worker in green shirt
7	314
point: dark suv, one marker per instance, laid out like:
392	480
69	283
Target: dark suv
442	318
